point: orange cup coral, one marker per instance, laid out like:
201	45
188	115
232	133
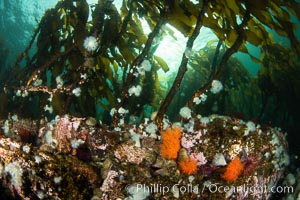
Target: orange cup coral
170	143
233	170
188	166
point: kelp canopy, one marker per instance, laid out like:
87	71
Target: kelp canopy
56	74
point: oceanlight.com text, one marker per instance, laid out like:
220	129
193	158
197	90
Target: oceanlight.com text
245	188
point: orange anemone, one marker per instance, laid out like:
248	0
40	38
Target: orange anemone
170	142
233	170
188	166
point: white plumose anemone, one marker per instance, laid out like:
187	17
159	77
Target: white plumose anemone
136	90
76	92
216	86
185	112
90	43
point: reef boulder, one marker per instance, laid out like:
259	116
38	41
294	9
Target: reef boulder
226	158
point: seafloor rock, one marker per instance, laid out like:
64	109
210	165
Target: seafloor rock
219	158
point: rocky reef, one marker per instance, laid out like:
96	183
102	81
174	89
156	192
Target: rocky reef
82	158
